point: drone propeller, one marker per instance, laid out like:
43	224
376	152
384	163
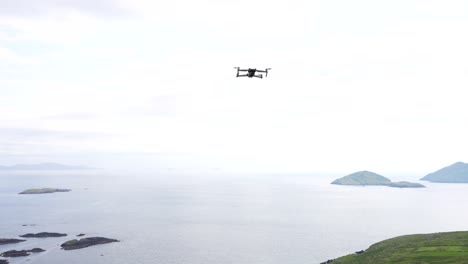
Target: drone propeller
266	71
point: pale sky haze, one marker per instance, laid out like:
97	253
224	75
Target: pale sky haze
375	85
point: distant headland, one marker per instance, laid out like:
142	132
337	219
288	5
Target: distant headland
367	178
455	173
45	166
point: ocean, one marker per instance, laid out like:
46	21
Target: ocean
217	218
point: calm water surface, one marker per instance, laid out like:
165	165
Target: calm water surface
218	218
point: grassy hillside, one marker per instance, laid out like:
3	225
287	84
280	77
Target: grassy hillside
440	248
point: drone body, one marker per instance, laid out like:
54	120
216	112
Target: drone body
251	72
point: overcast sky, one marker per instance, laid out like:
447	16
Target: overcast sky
375	85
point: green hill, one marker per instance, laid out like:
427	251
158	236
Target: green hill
455	173
440	248
362	178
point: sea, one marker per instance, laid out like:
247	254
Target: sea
216	218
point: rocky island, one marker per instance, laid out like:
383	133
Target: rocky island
43	190
362	178
43	235
4	241
447	248
455	173
367	178
86	242
20	253
3	261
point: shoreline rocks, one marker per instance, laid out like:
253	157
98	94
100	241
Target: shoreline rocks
20	253
86	242
43	235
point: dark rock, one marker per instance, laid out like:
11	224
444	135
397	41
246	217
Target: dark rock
80	235
328	261
44	190
44	234
36	250
4	241
86	242
20	253
359	252
3	261
15	253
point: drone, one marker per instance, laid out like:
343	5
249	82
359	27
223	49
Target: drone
251	72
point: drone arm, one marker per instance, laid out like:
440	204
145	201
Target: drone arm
265	71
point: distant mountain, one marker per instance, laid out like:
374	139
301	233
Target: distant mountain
455	173
363	178
44	166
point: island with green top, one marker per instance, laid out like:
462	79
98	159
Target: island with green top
367	178
362	178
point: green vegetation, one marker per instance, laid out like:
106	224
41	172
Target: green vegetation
405	184
363	178
455	173
43	190
440	248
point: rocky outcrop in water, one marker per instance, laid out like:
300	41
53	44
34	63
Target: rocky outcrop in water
405	184
4	241
86	242
44	234
20	253
43	190
3	261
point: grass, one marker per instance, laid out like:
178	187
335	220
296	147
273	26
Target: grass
440	248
